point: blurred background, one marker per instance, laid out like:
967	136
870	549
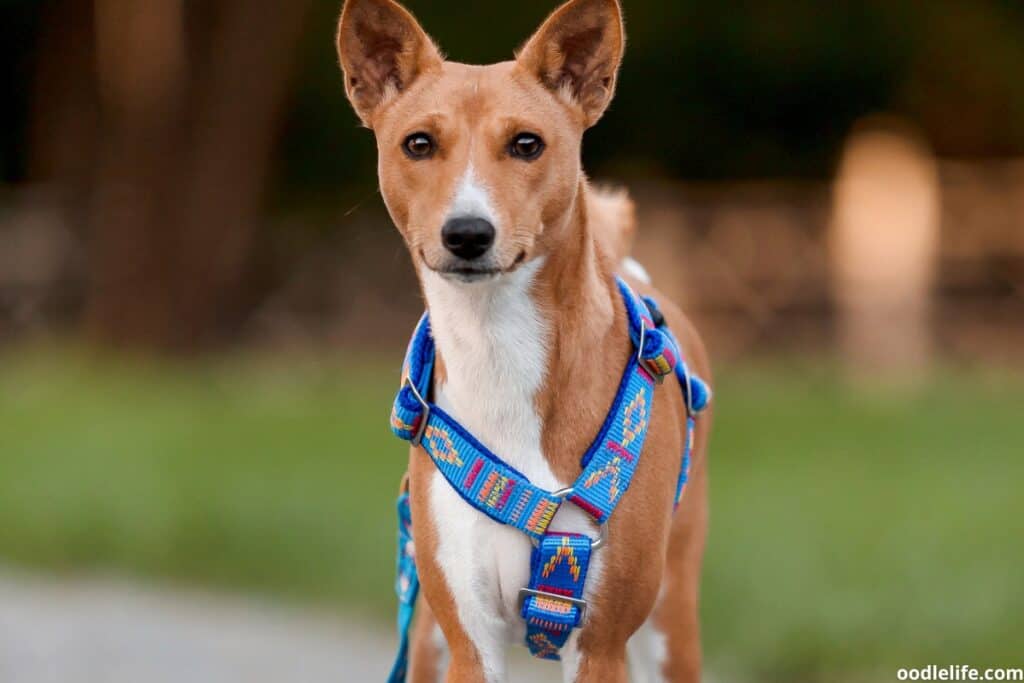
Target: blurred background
203	306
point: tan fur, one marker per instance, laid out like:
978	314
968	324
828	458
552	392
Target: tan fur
576	54
613	220
560	84
425	659
382	50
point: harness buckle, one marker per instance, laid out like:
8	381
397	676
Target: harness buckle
575	602
417	438
602	529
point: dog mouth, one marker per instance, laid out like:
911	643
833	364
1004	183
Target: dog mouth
462	271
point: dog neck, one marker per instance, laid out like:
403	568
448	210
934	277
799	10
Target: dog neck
508	347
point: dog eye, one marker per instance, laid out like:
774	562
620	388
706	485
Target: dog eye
526	146
419	146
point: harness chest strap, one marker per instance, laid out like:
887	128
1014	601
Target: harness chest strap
552	604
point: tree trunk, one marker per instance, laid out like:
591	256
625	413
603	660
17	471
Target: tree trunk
183	163
141	71
238	107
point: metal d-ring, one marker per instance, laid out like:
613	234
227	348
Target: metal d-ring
602	529
417	438
687	389
640	346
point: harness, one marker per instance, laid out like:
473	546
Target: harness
552	604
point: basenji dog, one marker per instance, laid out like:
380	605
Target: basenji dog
517	255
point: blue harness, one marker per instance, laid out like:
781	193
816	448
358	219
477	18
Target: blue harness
552	604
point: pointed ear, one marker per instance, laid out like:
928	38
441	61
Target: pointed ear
577	53
382	51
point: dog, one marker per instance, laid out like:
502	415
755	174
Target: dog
517	255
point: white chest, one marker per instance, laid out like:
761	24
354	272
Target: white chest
494	344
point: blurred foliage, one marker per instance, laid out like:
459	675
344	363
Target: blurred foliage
19	24
852	533
712	90
708	90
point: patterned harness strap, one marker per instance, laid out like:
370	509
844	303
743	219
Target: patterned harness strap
553	603
696	393
407	585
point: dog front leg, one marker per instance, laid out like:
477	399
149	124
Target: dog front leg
599	665
428	660
455	657
480	659
473	642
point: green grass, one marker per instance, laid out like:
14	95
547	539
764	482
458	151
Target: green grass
858	532
266	476
852	532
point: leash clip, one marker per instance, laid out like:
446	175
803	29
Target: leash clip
417	438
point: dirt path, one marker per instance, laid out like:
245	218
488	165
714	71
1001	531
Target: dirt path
99	631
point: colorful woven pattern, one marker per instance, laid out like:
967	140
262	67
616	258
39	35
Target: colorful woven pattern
695	390
418	368
684	471
558	568
483	480
611	462
491	486
407	586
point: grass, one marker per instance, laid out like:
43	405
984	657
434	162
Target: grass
852	532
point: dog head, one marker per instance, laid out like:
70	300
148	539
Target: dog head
479	166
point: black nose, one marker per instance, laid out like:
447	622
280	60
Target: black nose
468	238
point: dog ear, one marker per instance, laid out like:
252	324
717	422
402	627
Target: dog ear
577	52
382	51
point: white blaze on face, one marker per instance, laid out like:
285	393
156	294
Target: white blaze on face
472	199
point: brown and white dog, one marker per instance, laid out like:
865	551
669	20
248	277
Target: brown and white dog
516	253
